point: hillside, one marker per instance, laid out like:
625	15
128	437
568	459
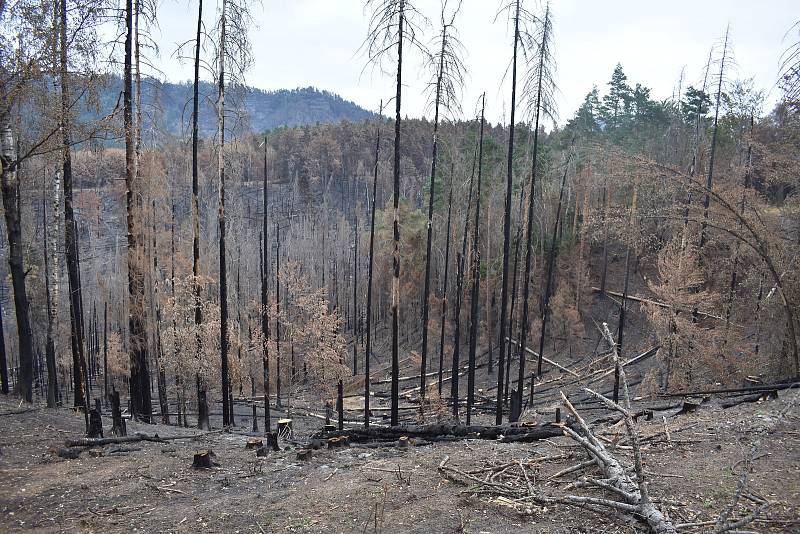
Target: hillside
171	103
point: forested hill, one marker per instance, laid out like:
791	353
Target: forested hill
167	106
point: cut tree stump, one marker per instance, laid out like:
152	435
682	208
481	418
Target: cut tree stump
95	424
304	454
272	441
254	443
205	459
117	422
70	453
337	442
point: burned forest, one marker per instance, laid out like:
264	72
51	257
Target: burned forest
442	289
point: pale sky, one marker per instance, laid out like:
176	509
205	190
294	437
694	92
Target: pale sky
300	43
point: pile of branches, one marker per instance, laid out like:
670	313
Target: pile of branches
623	488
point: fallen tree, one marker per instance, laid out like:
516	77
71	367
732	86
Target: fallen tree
625	487
100	442
434	432
627	495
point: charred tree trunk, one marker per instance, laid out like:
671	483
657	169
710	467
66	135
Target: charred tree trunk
223	268
514	416
265	300
118	427
549	277
427	287
444	285
476	276
621	326
13	215
710	175
368	348
161	376
355	298
71	251
140	374
507	221
202	408
277	316
105	351
4	386
460	261
395	389
513	306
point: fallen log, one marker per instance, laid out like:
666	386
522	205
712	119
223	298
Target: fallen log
99	442
748	389
434	431
546	360
756	397
656	303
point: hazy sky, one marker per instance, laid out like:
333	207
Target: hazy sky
300	43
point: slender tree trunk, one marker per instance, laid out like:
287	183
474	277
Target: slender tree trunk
476	275
161	376
105	352
82	368
514	303
523	338
71	253
355	297
460	260
56	273
444	286
277	316
427	288
395	400
734	273
507	221
265	300
4	386
549	277
50	350
368	349
621	326
202	409
13	214
710	175
223	269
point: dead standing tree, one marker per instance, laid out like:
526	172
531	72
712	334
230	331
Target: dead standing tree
518	11
540	90
476	275
368	348
448	79
392	22
141	403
